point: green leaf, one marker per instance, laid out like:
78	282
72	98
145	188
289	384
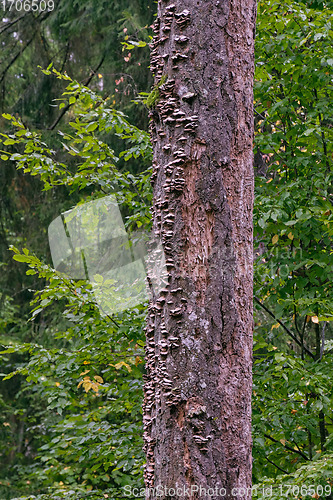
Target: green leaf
21	258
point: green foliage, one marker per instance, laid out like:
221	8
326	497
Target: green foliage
83	374
83	38
312	480
151	99
294	118
90	384
293	400
95	162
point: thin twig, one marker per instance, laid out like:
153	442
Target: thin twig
267	120
20	52
86	83
286	446
284	326
11	62
8	25
322	347
282	470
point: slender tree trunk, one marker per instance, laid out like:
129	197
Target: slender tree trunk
197	409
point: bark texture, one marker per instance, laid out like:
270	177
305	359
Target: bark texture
197	409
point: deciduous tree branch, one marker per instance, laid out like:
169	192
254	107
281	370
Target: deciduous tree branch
279	468
11	62
86	83
284	327
20	52
286	446
9	24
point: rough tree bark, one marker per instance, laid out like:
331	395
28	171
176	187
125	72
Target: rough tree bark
197	409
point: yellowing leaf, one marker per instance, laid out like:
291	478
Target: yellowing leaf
84	373
57	384
87	385
84	382
275	239
138	360
283	441
122	363
315	319
275	326
291	236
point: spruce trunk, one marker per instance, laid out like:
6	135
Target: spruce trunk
197	408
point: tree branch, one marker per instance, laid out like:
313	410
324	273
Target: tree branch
267	120
279	468
323	138
11	62
284	327
20	52
286	446
8	25
322	347
86	83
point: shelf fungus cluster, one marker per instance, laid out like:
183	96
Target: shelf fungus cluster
173	127
192	116
198	349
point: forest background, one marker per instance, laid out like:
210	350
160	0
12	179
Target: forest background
75	97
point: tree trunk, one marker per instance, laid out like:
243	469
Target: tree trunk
197	408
